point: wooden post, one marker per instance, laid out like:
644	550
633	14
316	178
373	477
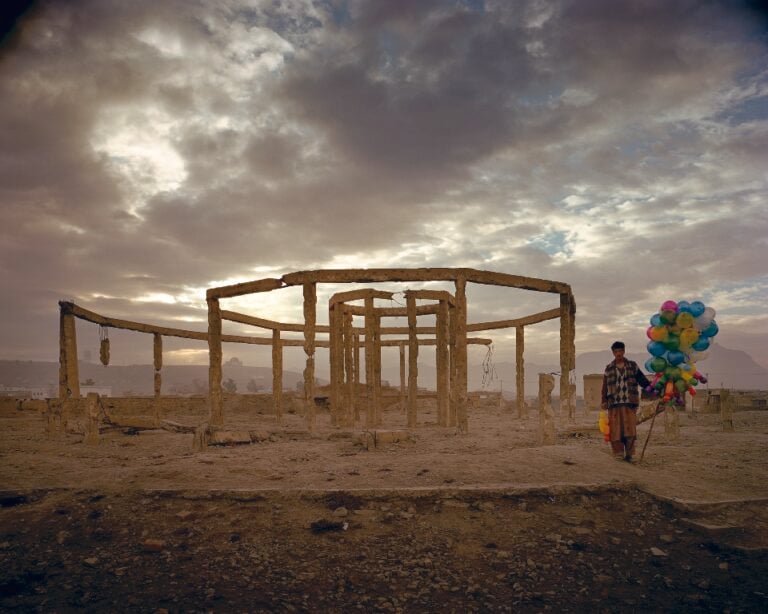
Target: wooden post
442	364
413	357
461	355
216	403
522	408
69	375
277	375
370	412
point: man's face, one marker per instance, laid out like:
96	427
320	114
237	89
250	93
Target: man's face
618	353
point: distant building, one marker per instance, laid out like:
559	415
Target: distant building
102	391
23	393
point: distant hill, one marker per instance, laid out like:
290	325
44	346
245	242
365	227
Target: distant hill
138	380
725	368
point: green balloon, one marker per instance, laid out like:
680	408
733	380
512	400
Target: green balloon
672	343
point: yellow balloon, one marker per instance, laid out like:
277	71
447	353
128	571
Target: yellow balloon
684	319
688	337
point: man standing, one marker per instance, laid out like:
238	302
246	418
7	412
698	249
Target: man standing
621	398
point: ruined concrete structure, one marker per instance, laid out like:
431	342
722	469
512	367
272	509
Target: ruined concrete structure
354	395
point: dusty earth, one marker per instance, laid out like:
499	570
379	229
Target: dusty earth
488	521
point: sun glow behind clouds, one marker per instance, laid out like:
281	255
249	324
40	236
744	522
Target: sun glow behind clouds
136	142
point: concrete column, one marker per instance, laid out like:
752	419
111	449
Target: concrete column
310	319
546	415
726	410
69	373
413	357
454	382
277	375
522	408
215	399
356	378
401	347
461	355
671	423
370	412
442	364
335	358
92	419
349	370
377	419
567	406
158	362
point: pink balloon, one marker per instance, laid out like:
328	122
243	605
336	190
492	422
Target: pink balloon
669	305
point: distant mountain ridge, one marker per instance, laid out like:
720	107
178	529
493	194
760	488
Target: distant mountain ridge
139	379
725	368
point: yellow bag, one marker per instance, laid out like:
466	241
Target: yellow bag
602	422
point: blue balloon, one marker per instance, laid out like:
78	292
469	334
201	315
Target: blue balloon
711	330
697	308
656	320
701	344
648	367
675	358
684	306
656	348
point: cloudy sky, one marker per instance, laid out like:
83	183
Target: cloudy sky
152	149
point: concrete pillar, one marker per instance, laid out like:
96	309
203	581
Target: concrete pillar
413	358
671	422
567	406
454	380
377	418
349	370
592	392
158	362
277	375
401	348
522	408
69	373
310	322
442	364
356	378
461	355
335	357
215	398
726	411
92	419
370	412
546	415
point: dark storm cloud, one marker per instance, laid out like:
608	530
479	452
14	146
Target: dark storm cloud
150	148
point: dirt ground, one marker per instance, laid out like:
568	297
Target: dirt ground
489	521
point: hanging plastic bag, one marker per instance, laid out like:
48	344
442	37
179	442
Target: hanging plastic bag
104	346
602	423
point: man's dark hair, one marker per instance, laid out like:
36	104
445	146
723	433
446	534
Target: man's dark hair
617	345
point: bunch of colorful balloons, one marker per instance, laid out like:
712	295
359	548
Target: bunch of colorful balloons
680	334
